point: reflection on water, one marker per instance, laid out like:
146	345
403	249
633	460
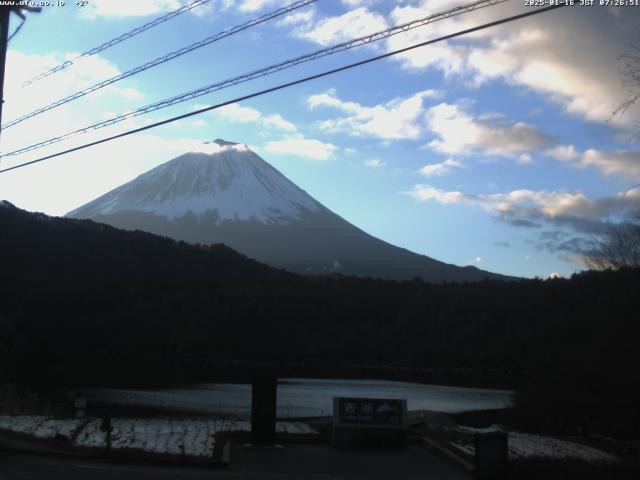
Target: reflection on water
306	397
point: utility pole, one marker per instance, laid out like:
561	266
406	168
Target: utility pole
5	12
5	15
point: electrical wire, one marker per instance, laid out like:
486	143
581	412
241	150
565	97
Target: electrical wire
290	84
115	41
165	58
367	39
16	30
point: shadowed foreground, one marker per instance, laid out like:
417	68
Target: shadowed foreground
293	461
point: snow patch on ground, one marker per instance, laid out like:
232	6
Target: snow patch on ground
39	426
191	437
527	445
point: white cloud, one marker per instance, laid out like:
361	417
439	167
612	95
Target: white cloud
302	19
425	193
80	75
303	147
374	163
353	24
447	57
459	133
621	163
563	153
237	113
359	3
440	169
250	6
72	115
329	99
401	118
528	208
127	92
626	164
549	53
254	5
525	158
128	8
278	122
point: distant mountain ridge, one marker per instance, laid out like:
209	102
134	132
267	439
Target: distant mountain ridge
230	195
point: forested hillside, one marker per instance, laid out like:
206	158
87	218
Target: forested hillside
81	300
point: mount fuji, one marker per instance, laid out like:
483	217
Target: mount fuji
230	195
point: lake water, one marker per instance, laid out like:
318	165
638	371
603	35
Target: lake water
305	397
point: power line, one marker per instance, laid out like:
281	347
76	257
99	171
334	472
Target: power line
264	72
18	28
114	41
290	84
165	58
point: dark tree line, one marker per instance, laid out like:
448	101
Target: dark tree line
120	308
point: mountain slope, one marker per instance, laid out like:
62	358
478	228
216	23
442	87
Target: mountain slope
232	196
233	180
60	252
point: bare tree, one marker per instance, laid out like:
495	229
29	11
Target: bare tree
630	70
619	247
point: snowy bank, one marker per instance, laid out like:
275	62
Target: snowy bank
40	427
189	437
527	445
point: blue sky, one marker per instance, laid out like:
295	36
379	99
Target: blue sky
496	150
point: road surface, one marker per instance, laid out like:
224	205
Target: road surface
311	462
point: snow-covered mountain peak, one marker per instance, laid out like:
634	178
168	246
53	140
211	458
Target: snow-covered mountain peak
225	178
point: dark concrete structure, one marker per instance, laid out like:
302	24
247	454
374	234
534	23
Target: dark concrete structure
492	454
263	408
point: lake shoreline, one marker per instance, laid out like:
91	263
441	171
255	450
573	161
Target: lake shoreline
296	398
